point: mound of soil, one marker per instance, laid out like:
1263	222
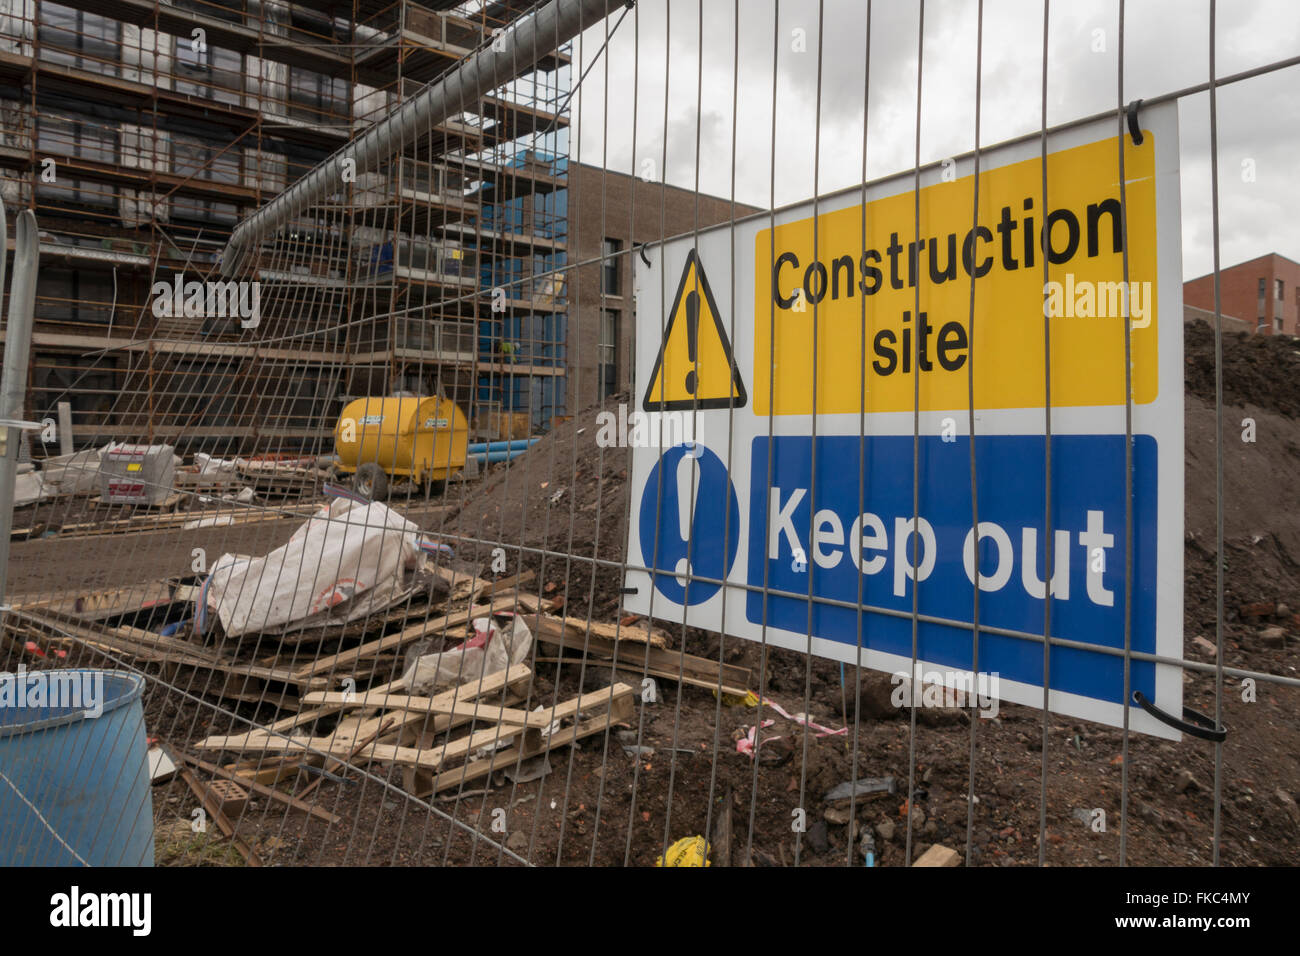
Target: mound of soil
1259	370
568	496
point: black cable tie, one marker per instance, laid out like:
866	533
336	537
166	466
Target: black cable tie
631	590
1193	722
641	250
1134	130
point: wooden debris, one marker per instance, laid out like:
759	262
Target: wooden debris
722	830
601	709
97	605
344	660
347	760
161	766
261	788
638	633
405	732
643	657
212	807
165	505
235	679
278	737
276	478
439	741
501	585
154	521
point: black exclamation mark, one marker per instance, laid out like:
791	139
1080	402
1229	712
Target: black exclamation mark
692	336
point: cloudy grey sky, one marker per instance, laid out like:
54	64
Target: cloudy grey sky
619	115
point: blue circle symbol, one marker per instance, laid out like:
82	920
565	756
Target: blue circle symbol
681	542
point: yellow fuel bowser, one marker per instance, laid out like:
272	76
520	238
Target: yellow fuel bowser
423	439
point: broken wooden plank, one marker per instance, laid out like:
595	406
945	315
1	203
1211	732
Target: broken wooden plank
619	709
459	584
722	831
577	629
212	806
97	605
342	764
658	662
261	788
150	647
503	585
128	639
431	705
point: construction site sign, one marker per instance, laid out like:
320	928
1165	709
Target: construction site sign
811	518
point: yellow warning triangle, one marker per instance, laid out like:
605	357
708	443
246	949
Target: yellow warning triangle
694	368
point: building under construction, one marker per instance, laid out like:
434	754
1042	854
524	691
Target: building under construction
141	132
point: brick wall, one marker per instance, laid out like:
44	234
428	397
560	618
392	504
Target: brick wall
602	205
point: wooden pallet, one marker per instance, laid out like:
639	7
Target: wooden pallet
101	604
165	505
591	713
287	736
156	521
413	733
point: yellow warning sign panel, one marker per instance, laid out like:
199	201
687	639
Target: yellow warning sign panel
695	367
848	280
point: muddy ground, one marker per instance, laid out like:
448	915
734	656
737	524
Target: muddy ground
606	802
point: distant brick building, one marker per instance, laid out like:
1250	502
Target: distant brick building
610	214
1265	290
1230	323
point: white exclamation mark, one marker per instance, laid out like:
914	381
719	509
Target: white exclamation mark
687	482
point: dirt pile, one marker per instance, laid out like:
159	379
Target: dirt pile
1261	479
566	495
1259	370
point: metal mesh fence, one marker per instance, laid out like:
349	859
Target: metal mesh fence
629	448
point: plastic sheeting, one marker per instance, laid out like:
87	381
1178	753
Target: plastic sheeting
29	488
494	647
72	474
346	561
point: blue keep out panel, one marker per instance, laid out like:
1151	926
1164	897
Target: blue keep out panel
1087	477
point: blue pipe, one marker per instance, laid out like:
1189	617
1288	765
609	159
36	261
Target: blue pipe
488	457
475	448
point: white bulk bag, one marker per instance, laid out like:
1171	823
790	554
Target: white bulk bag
345	562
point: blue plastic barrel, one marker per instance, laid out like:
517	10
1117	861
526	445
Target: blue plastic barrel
75	784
